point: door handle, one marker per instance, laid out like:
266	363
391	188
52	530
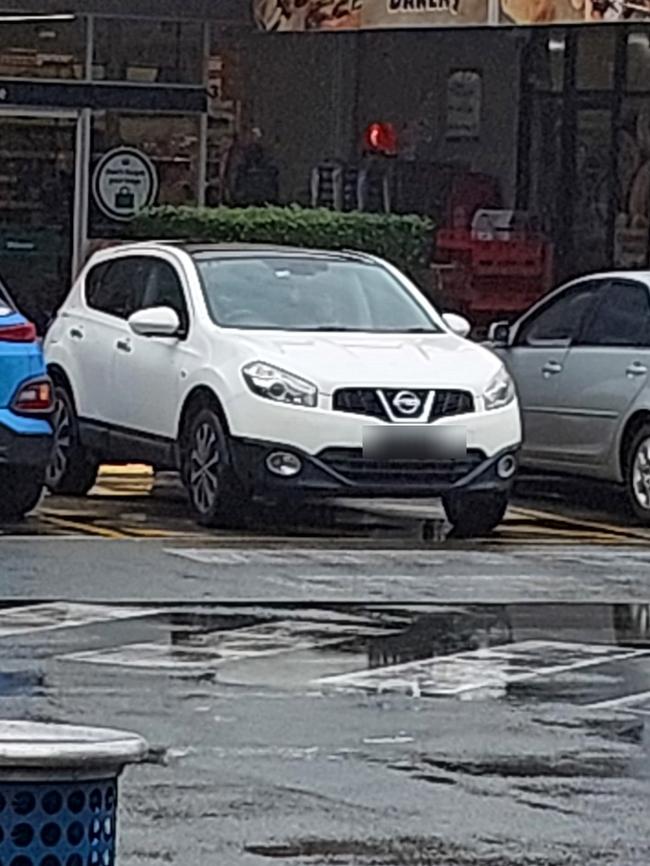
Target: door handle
123	346
551	368
76	333
636	369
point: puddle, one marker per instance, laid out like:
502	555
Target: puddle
27	619
465	672
592	655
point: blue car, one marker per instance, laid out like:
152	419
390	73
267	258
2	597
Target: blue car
25	410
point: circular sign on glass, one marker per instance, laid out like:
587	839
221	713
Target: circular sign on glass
124	183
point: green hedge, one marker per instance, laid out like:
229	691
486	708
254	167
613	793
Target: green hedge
407	241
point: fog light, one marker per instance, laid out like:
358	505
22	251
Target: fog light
283	463
506	467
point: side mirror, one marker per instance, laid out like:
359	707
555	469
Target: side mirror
458	324
499	334
155	322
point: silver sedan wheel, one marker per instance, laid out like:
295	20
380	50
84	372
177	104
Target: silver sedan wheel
205	458
641	475
62	428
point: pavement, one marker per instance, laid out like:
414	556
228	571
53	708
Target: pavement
351	686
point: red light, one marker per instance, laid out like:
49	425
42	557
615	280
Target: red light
23	333
381	138
35	397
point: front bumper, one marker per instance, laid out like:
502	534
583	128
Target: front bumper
24	441
344	472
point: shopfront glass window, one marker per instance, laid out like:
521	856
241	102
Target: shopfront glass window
632	232
148	52
546	60
591	194
170	142
36	211
595	59
638	60
45	49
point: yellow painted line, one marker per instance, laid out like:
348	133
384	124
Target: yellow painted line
589	524
85	528
531	529
127	469
140	532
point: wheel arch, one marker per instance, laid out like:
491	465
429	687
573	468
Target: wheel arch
59	376
200	397
632	426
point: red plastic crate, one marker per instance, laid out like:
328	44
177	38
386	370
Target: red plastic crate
508	258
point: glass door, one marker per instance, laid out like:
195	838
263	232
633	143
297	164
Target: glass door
37	205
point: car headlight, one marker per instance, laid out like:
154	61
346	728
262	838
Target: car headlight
278	385
500	392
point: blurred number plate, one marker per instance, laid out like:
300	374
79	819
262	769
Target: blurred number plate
414	442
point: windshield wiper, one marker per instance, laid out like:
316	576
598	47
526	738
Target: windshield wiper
332	329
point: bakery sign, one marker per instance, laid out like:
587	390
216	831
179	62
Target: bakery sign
304	15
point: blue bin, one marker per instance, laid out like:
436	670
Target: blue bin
58	793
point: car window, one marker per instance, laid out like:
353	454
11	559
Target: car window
163	289
560	321
6	300
622	317
116	288
292	293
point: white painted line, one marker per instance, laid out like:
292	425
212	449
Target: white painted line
32	618
443	556
208	651
48	539
462	673
625	701
380	741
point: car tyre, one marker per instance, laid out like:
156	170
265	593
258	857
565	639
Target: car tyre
636	463
22	488
217	497
72	470
475	515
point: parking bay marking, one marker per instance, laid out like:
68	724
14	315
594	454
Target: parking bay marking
31	618
579	523
205	653
491	669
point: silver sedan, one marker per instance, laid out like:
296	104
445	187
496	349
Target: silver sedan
580	359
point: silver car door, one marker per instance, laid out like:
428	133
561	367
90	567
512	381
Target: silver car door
536	358
604	371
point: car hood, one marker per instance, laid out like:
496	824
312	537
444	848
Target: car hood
403	361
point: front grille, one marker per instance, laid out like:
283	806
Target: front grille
352	465
366	401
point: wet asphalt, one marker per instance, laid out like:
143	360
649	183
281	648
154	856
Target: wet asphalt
267	748
358	688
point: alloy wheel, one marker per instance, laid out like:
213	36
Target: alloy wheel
205	457
641	475
62	444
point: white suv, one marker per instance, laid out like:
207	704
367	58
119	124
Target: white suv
280	373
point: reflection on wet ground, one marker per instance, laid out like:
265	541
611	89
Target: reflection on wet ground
520	651
284	733
128	503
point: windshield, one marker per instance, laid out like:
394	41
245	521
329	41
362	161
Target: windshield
309	294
